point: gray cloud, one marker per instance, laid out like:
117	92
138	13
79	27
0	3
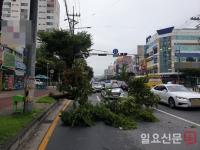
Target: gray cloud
124	24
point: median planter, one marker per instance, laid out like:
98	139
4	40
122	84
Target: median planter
26	129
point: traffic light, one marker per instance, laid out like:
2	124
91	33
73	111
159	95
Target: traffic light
102	54
123	54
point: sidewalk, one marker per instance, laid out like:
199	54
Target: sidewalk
6	98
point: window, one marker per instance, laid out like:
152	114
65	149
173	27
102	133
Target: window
15	11
49	17
190	59
6	15
42	12
24	10
49	23
24	4
6	9
7	3
50	11
187	37
187	47
158	88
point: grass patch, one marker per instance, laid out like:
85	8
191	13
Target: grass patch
46	100
11	125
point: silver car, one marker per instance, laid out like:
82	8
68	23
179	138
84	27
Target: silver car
177	95
113	92
97	87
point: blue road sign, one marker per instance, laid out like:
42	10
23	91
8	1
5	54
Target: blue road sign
115	51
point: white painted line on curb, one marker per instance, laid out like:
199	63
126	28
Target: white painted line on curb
188	121
98	98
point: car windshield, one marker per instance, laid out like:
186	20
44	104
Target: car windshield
96	84
115	85
177	88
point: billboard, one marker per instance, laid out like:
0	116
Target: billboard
8	60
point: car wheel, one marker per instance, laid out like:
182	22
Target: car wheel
171	103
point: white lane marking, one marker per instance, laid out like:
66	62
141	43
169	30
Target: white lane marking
98	98
188	121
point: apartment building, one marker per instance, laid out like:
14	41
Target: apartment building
16	10
48	15
170	50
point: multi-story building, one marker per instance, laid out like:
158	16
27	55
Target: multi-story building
170	50
124	61
16	10
110	72
140	62
48	15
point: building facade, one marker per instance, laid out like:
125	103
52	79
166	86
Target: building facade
140	62
170	50
16	10
124	61
109	72
48	15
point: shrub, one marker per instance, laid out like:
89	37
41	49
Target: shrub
147	115
126	106
142	94
87	114
81	116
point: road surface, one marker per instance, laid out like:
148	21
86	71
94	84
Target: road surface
101	137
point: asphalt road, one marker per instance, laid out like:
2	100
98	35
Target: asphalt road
184	122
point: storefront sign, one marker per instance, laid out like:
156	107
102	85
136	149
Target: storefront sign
19	72
20	65
8	60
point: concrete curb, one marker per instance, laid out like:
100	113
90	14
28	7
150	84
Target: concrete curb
14	143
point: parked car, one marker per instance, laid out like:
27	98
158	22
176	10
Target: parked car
38	82
113	91
97	87
177	95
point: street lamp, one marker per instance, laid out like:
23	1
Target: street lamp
83	28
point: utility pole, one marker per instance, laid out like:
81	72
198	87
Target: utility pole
1	7
72	22
31	58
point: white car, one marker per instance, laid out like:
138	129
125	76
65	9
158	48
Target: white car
177	95
97	87
38	82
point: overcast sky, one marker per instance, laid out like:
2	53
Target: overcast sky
124	24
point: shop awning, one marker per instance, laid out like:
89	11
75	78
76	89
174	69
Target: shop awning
41	76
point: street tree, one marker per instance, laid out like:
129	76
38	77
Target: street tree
71	50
